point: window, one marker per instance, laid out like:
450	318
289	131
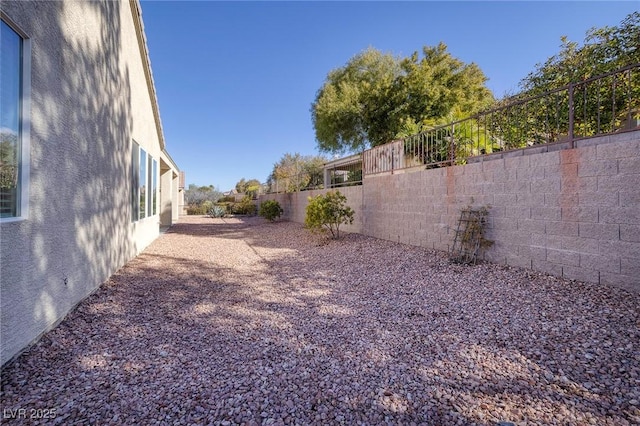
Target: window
154	187
135	174
144	196
14	124
142	190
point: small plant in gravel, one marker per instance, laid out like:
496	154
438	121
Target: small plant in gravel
217	211
327	212
271	210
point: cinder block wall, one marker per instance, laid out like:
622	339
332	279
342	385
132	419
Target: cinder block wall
294	205
573	213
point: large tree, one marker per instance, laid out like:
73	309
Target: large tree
599	106
439	88
250	187
377	97
604	49
295	172
349	109
195	195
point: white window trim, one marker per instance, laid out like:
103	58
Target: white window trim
155	196
152	172
25	124
143	208
135	184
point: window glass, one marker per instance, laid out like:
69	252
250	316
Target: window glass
10	120
149	187
143	184
154	188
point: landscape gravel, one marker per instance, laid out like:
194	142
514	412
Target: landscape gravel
241	321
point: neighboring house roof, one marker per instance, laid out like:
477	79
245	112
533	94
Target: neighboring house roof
136	11
343	162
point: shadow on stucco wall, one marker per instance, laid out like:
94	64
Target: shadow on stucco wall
79	227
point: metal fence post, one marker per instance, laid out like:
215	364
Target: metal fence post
452	147
392	152
571	115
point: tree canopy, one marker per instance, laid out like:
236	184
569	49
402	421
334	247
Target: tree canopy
250	187
605	49
196	195
603	105
377	97
295	172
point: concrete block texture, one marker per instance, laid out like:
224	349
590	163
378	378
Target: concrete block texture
572	213
620	215
598	198
626	182
627	282
581	274
630	233
563	257
578	155
600	231
552	227
620	148
601	262
629	199
629	165
546	159
608	167
580	214
629	266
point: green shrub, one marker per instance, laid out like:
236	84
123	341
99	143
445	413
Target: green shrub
207	205
245	206
217	211
271	210
196	210
227	206
227	199
328	212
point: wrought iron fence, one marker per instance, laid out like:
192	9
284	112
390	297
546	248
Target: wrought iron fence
294	183
600	105
347	172
337	173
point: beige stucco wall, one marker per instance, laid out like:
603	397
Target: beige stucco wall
89	100
573	213
178	199
166	197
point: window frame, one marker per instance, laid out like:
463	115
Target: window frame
144	183
154	188
24	131
135	181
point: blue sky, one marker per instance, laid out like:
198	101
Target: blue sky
235	80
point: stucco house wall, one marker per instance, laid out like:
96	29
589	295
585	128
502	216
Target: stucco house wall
92	96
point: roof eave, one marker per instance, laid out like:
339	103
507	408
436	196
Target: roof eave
136	12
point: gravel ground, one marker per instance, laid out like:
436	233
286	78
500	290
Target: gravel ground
238	321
